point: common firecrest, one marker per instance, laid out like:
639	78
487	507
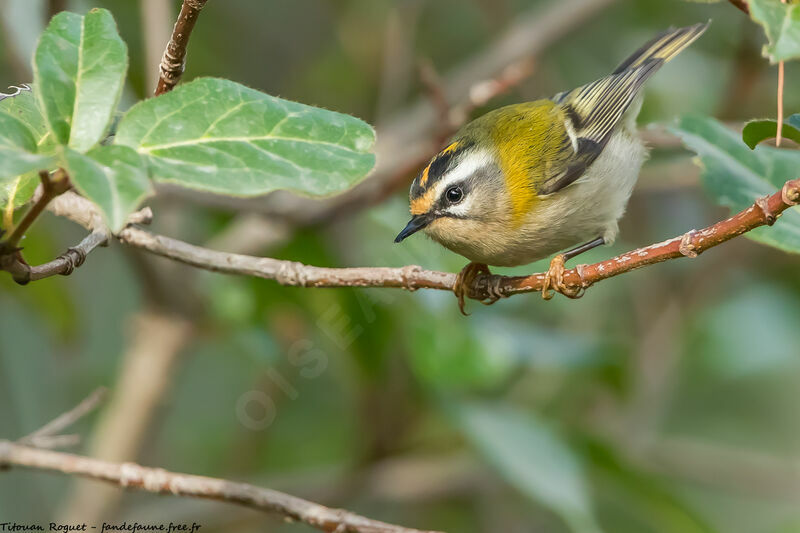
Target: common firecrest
528	180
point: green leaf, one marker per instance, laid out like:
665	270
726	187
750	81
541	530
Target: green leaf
23	106
18	190
781	23
18	149
79	68
735	177
219	136
533	457
757	131
113	177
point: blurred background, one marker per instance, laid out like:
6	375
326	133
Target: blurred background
663	401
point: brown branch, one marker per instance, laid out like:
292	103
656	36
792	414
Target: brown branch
25	453
741	5
174	60
287	273
69	260
11	258
764	211
156	480
74	257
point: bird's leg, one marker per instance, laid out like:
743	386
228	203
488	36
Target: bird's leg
464	281
554	278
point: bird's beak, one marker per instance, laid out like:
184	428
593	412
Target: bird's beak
416	223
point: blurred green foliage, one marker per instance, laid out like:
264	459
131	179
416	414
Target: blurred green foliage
663	401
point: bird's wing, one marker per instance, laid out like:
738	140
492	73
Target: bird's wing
593	111
590	114
665	45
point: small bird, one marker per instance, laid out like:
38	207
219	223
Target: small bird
528	180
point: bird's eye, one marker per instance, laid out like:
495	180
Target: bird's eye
454	195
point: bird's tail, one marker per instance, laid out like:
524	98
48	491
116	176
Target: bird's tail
665	45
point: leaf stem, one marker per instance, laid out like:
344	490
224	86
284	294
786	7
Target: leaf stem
779	135
50	189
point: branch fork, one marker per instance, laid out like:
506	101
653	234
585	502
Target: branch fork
27	454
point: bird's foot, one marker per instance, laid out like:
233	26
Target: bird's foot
464	282
554	281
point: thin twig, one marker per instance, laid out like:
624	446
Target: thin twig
174	60
67	262
779	134
11	258
65	420
75	256
764	211
156	480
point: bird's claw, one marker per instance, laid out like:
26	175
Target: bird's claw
554	281
464	282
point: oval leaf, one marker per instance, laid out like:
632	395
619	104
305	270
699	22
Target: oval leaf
735	177
78	69
220	136
757	131
533	457
113	177
781	22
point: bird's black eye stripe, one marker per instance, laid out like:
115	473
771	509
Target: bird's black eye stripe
454	194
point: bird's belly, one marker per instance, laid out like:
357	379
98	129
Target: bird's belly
581	212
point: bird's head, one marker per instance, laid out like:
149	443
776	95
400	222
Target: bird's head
457	194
